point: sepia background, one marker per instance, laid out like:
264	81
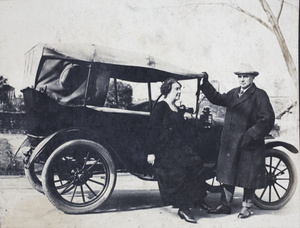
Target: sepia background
199	35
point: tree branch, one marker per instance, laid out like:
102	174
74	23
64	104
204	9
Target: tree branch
254	17
268	11
280	10
240	10
287	110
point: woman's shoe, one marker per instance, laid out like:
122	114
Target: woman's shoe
186	214
245	212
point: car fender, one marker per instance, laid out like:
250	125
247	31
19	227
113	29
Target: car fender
50	143
288	146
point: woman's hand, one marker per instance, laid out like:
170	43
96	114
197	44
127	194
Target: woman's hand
151	159
187	115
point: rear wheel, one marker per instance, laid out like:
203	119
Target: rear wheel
34	174
281	181
79	176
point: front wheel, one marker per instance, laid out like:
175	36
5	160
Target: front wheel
79	176
281	181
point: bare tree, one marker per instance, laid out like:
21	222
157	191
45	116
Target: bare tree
276	30
274	27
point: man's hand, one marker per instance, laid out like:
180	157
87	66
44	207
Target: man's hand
247	141
151	159
204	76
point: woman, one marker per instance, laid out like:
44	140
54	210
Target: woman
178	169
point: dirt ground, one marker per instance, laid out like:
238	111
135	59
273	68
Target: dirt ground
134	203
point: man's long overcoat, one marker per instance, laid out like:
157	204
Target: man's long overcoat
250	114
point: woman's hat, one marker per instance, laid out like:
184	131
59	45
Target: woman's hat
246	69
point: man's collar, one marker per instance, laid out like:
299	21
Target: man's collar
244	90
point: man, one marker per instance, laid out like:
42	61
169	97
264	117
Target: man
249	118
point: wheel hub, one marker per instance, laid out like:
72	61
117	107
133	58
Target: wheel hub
80	177
271	179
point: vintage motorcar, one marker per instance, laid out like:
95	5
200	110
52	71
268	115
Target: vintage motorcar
83	128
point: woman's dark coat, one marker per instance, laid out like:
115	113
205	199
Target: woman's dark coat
178	169
248	120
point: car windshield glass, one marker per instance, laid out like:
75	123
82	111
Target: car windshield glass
135	96
129	96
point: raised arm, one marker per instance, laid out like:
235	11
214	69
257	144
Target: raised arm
211	93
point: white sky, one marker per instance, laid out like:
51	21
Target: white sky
208	38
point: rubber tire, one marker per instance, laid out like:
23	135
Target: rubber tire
292	185
56	199
35	182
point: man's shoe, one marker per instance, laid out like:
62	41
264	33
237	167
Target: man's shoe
186	214
202	204
221	209
245	212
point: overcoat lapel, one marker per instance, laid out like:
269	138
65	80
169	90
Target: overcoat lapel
244	97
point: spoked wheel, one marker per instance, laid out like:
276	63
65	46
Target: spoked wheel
281	181
79	176
34	174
